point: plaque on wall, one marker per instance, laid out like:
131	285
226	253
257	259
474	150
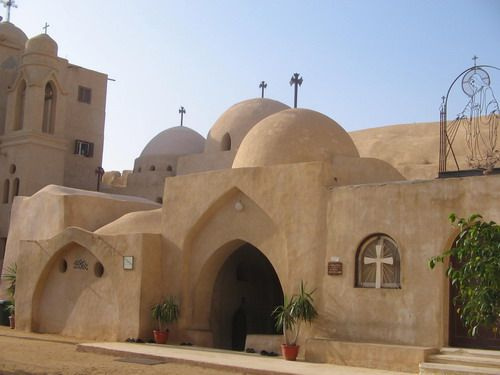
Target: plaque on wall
335	268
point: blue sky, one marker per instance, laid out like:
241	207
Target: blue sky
364	63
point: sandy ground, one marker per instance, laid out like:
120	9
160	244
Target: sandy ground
27	353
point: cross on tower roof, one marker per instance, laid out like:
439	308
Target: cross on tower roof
9	4
45	27
475	59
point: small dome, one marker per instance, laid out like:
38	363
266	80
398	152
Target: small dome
234	124
11	34
43	44
294	136
179	140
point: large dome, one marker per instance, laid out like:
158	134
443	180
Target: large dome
43	44
233	125
179	140
294	136
11	34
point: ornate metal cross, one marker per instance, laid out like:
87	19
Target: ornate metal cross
263	86
297	81
45	27
9	4
379	260
182	111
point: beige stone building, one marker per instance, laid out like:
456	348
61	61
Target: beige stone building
273	196
51	120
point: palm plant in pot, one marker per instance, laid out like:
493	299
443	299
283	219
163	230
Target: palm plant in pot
164	313
11	276
295	310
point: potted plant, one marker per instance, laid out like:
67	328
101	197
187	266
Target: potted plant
164	313
10	276
289	317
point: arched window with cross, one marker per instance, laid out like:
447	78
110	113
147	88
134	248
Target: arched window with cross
378	263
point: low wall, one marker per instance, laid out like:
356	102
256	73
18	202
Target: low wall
382	356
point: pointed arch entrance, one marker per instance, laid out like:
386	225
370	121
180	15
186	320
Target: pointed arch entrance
245	292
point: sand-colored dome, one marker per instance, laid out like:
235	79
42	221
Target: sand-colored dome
179	140
43	44
234	124
11	34
294	136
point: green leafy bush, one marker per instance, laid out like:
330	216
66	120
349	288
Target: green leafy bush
474	270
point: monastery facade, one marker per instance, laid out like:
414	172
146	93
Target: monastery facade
234	222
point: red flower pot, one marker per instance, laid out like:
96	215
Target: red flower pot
290	352
161	337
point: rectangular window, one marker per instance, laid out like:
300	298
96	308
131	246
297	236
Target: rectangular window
84	148
84	94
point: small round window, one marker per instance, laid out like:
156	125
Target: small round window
63	265
98	269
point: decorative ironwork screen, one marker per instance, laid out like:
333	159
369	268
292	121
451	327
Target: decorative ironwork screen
475	125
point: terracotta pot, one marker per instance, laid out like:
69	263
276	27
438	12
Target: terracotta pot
12	321
161	337
290	352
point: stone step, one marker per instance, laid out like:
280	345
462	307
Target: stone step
428	368
466	359
476	352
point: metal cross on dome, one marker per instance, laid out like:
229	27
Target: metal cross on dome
297	81
263	86
379	260
182	111
9	4
45	27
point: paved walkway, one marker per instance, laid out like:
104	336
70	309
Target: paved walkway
219	359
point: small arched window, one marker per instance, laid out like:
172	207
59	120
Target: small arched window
169	168
152	168
20	104
15	188
226	142
49	108
378	263
6	191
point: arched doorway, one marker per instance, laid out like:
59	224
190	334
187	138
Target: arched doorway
246	291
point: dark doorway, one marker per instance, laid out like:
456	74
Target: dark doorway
486	339
246	291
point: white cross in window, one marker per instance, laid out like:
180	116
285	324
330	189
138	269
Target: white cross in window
379	260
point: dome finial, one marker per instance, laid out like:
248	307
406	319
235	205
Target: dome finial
296	81
182	111
9	4
45	27
263	86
